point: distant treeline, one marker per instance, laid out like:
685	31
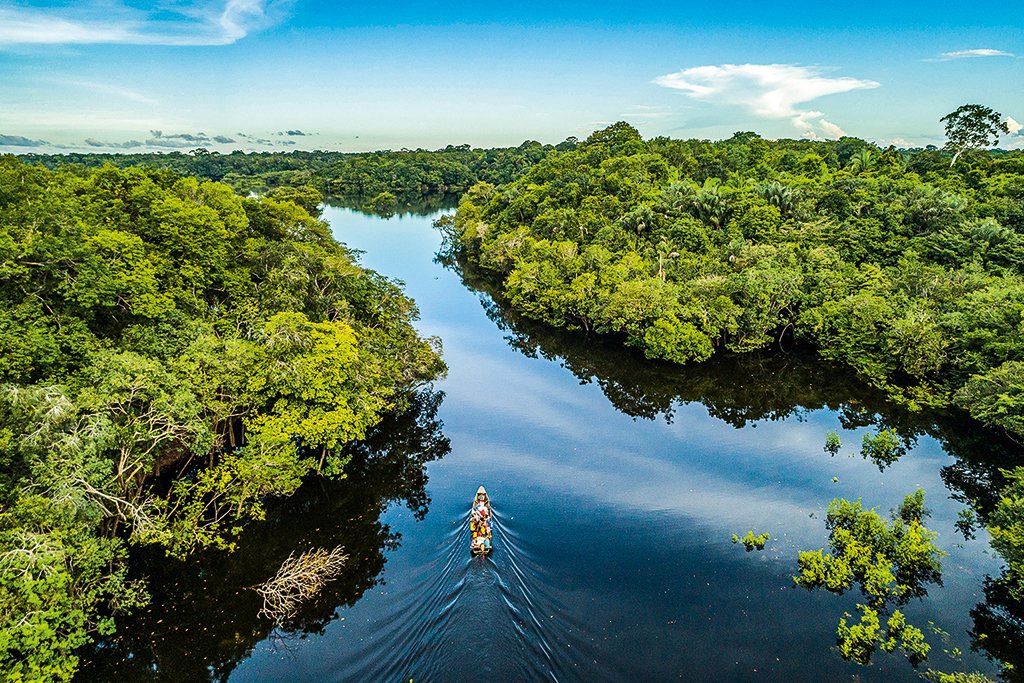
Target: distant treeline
453	169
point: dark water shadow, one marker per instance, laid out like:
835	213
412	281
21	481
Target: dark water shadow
203	618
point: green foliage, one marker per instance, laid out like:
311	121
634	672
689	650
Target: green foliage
1006	526
751	541
56	578
956	677
306	196
173	356
888	261
883	448
833	443
290	176
972	126
383	203
858	641
889	561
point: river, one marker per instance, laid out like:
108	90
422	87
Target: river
617	484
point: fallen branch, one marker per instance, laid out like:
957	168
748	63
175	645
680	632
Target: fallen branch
298	580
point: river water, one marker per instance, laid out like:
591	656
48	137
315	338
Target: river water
617	484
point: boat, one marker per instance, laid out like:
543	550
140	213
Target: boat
480	523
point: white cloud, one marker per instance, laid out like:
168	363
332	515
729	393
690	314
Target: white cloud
646	111
831	129
27	26
896	142
204	22
1013	126
107	89
770	91
978	52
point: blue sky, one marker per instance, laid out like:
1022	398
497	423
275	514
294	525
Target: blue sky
107	75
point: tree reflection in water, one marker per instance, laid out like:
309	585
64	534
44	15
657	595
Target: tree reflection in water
206	607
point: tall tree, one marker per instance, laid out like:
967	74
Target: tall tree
972	126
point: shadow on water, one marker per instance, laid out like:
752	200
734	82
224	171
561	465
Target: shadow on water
203	618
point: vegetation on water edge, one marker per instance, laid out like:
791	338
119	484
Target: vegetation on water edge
897	263
751	541
889	561
892	262
172	356
453	169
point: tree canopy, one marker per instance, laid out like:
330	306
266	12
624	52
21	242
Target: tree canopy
172	356
910	272
972	126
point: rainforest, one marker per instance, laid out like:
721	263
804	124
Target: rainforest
191	360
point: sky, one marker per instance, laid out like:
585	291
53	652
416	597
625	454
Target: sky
114	75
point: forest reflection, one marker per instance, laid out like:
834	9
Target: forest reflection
207	607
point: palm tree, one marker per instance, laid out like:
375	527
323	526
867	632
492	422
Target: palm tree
711	204
737	183
779	195
861	161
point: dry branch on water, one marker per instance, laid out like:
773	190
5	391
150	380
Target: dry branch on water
298	580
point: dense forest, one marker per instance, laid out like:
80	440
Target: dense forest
907	270
173	357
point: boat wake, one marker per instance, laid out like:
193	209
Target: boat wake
467	616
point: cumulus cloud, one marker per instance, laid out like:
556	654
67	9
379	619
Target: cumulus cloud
20	141
770	91
977	52
1013	126
811	122
194	22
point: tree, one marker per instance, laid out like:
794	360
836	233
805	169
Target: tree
890	561
972	126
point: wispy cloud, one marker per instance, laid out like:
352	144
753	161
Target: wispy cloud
201	22
647	111
978	52
20	141
115	90
127	144
770	91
